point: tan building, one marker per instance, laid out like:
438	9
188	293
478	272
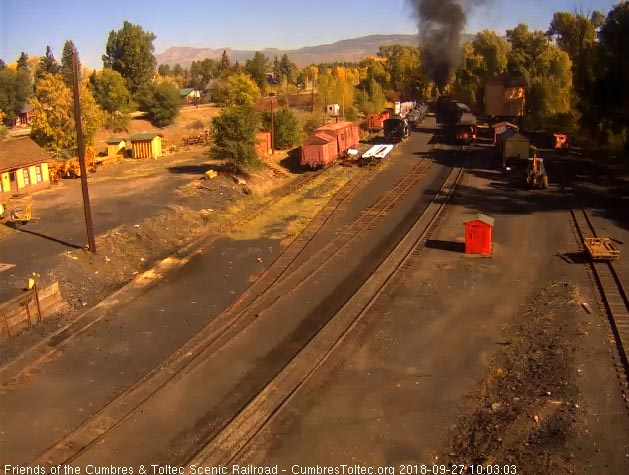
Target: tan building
146	145
504	96
115	146
23	167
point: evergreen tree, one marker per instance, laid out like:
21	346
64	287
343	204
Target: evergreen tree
66	63
47	64
225	64
22	62
2	64
257	68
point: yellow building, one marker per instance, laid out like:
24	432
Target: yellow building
23	167
115	146
147	145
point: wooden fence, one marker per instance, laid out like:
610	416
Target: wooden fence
28	309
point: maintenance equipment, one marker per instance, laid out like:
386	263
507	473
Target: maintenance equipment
601	248
536	176
20	216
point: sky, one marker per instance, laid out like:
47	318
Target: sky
30	25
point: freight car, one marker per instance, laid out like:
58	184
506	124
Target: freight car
328	143
395	129
466	129
375	121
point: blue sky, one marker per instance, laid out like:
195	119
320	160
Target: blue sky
30	25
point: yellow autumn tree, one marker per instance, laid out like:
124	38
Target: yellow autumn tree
53	125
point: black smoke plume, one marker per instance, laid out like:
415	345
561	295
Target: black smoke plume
440	24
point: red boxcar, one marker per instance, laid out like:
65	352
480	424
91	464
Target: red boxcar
376	121
328	143
318	149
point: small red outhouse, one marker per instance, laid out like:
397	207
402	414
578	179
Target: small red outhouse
478	234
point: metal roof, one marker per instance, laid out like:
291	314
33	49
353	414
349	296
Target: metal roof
467	118
114	140
21	152
146	136
481	217
185	91
319	138
511	134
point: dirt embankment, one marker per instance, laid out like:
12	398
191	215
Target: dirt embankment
528	406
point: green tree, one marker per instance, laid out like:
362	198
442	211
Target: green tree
2	64
201	72
15	90
547	71
111	93
225	64
258	67
130	52
161	102
47	64
493	50
241	91
53	125
403	64
66	63
610	90
22	62
164	70
286	128
3	129
235	135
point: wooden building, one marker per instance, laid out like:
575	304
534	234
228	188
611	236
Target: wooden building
147	145
501	127
23	167
190	95
115	146
504	96
25	115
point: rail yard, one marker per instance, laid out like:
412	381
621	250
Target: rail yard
383	255
360	325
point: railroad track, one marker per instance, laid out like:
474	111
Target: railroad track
51	345
613	294
242	429
234	319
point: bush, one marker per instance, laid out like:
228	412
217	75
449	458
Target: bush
160	102
117	122
313	122
286	125
197	124
235	135
351	114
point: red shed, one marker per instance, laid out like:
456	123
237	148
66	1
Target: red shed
318	149
478	234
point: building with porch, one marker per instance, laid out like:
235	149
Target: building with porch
23	167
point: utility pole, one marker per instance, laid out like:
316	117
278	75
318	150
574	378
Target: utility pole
81	146
272	125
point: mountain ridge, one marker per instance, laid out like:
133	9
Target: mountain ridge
352	49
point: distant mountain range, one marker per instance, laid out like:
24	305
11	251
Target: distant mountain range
345	50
